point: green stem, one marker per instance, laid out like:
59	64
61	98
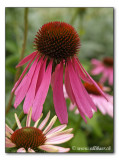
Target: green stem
77	125
21	117
21	57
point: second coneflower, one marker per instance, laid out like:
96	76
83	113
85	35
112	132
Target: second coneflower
57	44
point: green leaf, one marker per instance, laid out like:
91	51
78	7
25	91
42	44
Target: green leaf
79	142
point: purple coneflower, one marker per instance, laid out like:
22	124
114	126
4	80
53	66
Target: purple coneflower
106	107
28	139
105	67
57	44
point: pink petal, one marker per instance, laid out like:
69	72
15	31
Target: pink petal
59	139
53	79
28	121
100	106
42	125
95	62
99	89
20	150
8	143
42	93
111	76
17	121
110	109
80	71
48	148
8	129
53	120
7	134
53	76
76	111
23	73
58	97
26	59
67	131
65	93
56	129
72	106
61	149
36	123
30	150
52	148
24	85
89	100
97	70
82	114
31	92
41	74
80	97
68	86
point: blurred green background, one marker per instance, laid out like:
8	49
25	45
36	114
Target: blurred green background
95	28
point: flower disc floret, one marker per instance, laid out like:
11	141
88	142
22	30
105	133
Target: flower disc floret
57	40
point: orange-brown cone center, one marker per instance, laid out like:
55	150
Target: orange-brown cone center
57	40
108	61
92	89
28	137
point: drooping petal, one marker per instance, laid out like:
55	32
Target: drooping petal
80	72
20	150
82	115
58	96
8	143
72	106
42	125
53	79
110	76
97	70
30	150
7	134
77	87
32	89
95	84
42	93
68	86
17	121
52	148
24	85
59	139
76	111
48	148
28	121
50	124
97	100
110	109
41	74
23	73
26	59
65	92
104	77
8	129
96	62
61	149
89	100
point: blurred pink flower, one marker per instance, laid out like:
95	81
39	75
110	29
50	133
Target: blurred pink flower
105	67
28	138
106	107
57	45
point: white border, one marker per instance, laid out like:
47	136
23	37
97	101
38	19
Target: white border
56	3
